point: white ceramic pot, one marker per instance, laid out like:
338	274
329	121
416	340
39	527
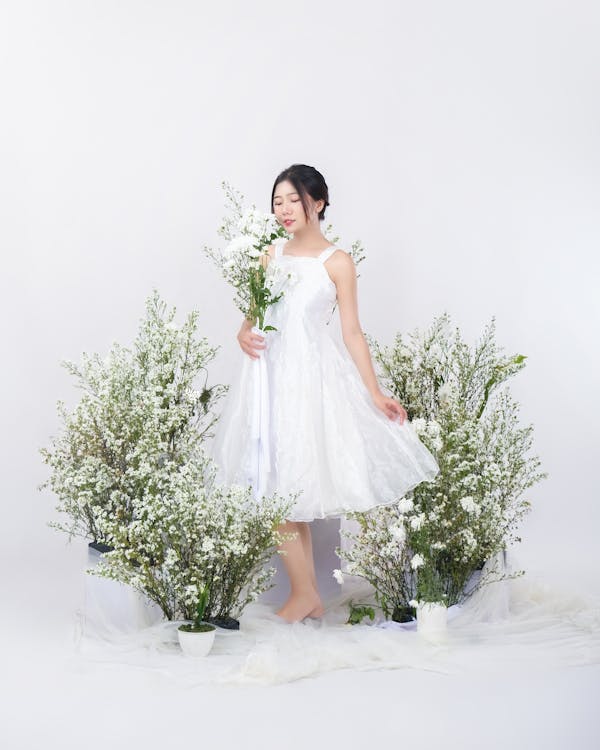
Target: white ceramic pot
110	606
196	644
432	620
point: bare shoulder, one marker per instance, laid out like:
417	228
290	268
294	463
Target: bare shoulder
341	258
340	265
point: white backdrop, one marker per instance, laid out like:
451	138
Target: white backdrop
459	142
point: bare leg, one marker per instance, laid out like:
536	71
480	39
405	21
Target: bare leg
304	597
305	536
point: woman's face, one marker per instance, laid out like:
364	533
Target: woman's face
288	209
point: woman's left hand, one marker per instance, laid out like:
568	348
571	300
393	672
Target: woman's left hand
390	407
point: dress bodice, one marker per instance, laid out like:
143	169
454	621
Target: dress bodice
308	292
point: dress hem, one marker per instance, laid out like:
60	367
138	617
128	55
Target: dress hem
345	511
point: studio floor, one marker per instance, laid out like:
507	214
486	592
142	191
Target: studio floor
54	698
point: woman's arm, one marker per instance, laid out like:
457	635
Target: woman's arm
342	271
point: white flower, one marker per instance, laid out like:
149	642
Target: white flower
417	521
433	428
417	561
208	545
446	394
405	505
398	532
239	245
419	424
254	253
337	574
469	539
470	505
414	602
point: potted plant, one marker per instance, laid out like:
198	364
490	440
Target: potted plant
429	546
196	638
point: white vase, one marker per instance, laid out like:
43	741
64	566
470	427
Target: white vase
113	607
432	620
196	644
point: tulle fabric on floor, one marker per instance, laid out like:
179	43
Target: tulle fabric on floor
513	625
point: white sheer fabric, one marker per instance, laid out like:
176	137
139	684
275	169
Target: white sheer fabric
515	625
327	439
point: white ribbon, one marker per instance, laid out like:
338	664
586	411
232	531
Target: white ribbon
260	460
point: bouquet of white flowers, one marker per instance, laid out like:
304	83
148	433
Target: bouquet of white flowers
242	262
426	547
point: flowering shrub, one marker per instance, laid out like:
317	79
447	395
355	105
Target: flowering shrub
427	546
141	414
193	535
130	472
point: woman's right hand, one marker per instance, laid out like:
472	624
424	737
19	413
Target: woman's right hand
249	340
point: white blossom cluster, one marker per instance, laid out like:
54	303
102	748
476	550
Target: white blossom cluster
461	409
129	471
248	233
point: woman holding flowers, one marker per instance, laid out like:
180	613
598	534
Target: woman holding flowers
329	434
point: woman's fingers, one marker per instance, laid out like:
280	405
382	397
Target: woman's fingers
397	411
250	343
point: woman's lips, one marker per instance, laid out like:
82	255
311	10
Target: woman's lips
288	222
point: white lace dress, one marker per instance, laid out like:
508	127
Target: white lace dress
326	438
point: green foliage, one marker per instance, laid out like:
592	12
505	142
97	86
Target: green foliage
359	612
200	609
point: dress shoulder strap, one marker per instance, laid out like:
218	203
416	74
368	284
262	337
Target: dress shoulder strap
279	243
327	253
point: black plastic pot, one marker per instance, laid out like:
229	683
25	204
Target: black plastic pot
229	623
100	547
403	614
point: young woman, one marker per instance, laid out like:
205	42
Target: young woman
334	436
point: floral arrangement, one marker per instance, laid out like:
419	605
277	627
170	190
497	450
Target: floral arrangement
130	472
426	547
248	232
243	263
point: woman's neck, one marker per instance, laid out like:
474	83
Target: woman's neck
307	239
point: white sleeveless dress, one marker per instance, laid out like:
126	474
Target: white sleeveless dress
326	438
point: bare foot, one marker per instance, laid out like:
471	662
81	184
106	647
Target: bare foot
300	606
318	611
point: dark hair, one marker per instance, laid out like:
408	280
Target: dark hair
306	181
